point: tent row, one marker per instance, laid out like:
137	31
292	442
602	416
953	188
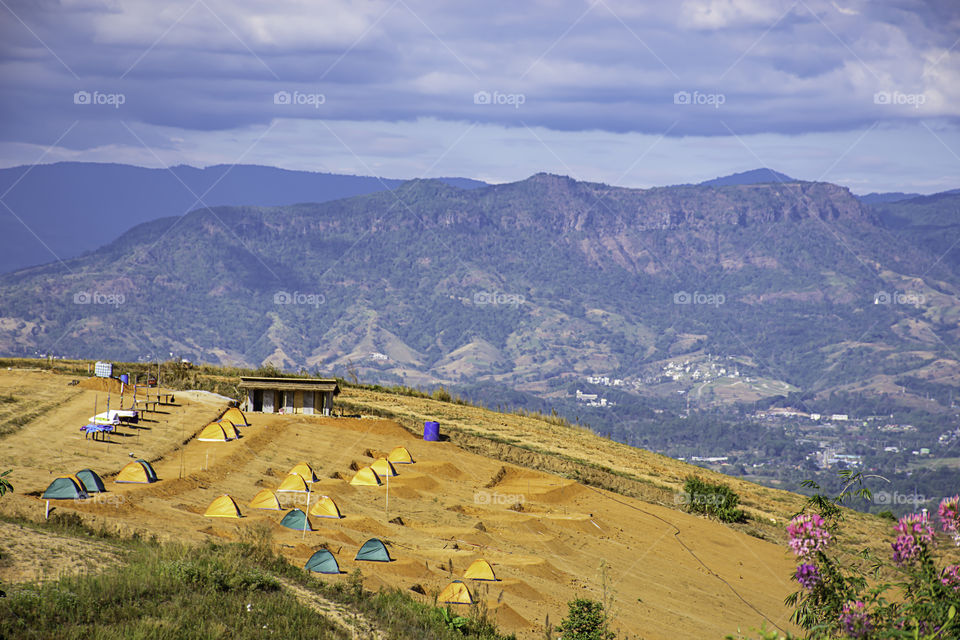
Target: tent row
323	561
86	481
370	476
77	486
224	429
457	591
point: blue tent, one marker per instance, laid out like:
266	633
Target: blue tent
91	481
373	550
322	562
296	519
65	488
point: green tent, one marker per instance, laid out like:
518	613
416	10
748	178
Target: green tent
322	562
373	550
64	488
151	474
296	519
91	481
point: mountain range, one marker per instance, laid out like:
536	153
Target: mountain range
59	211
529	285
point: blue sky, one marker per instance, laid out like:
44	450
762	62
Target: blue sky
862	93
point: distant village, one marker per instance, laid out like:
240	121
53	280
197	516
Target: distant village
823	440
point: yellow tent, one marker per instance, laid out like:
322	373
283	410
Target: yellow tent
366	477
325	508
480	570
213	432
293	483
400	455
266	499
455	593
137	471
230	429
235	416
223	507
383	468
304	471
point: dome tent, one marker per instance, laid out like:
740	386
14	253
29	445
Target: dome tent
325	508
322	562
305	471
213	432
65	488
480	570
296	519
265	499
373	550
383	468
292	484
234	415
138	471
400	455
223	507
366	477
90	481
455	593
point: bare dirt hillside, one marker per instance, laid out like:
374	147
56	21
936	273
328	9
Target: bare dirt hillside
550	539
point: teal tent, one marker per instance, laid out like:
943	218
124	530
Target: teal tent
373	550
91	481
296	519
322	562
151	474
64	488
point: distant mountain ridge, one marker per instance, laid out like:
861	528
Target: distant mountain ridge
754	176
62	210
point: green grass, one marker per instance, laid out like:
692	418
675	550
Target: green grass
211	591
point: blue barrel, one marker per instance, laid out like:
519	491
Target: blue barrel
431	431
125	378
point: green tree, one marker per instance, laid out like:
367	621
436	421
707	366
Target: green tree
586	620
5	485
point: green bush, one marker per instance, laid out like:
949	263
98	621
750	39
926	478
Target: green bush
586	620
717	500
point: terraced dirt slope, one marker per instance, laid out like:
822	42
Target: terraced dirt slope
549	538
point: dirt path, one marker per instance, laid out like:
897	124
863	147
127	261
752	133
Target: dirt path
355	624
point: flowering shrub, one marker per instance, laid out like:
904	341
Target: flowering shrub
906	596
808	534
854	620
950	517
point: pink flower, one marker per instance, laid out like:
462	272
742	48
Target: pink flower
916	534
808	534
949	519
950	577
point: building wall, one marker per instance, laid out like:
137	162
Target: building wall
293	402
308	398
